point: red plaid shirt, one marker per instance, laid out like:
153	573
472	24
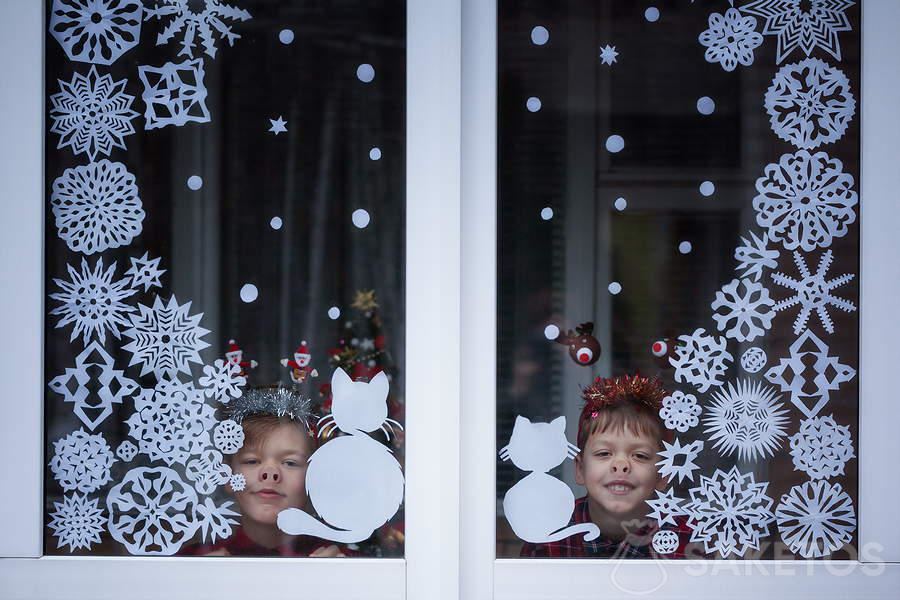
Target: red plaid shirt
637	542
239	544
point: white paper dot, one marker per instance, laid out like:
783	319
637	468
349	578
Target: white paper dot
365	72
614	288
706	105
375	153
275	223
249	293
360	218
286	36
621	203
551	332
540	35
546	213
652	14
195	182
707	188
334	313
615	143
685	247
533	104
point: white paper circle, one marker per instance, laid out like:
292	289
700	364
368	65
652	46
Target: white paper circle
707	188
533	104
685	247
706	105
195	182
375	153
614	288
249	293
652	14
276	223
365	72
286	36
333	313
615	143
551	332
361	218
621	203
546	213
540	35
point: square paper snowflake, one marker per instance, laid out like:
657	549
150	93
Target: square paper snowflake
174	94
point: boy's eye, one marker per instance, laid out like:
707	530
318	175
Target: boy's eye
601	453
291	463
249	461
642	456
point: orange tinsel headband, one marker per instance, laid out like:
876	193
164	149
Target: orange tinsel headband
643	392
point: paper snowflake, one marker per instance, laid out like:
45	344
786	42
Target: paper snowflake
96	31
214	521
92	114
228	436
680	411
754	359
77	522
813	292
747	314
166	339
190	22
81	461
747	418
665	542
805	201
172	422
207	471
804	24
730	39
97	207
174	94
821	448
92	301
810	103
93	385
816	518
279	125
678	460
152	511
754	256
223	381
145	272
729	512
666	507
700	360
126	451
809	374
238	482
608	55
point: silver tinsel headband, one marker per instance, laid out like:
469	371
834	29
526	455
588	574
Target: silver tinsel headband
278	401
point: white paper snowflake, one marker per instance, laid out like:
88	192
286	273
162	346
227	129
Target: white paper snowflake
238	482
747	418
821	448
174	94
730	39
77	522
172	422
92	114
126	451
755	256
93	385
97	207
729	512
809	374
665	542
96	31
747	314
813	292
666	507
81	461
207	471
92	301
816	518
608	55
166	339
805	201
804	24
145	272
223	381
754	359
678	460
701	360
228	436
152	511
810	103
215	521
190	20
680	411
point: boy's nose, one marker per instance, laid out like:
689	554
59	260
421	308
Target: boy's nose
268	474
620	466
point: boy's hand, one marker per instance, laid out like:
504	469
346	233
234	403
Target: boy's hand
331	551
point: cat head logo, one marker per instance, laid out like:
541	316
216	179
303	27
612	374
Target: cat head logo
538	446
359	406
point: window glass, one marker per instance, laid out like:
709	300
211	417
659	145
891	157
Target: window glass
678	216
224	342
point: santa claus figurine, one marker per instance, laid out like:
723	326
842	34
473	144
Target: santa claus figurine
299	365
235	356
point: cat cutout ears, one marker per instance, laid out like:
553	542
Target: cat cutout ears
363	409
539	507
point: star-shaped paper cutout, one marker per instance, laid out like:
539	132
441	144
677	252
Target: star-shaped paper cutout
365	300
608	55
278	125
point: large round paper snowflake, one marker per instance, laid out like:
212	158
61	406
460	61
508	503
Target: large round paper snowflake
228	436
805	200
816	518
223	381
701	360
821	448
730	39
743	315
810	103
166	339
97	207
96	31
152	511
746	418
207	471
754	359
81	461
203	18
680	411
77	522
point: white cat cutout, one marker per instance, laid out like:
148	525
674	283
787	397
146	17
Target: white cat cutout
540	506
354	482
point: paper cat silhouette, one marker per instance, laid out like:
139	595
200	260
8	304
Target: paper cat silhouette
540	506
354	482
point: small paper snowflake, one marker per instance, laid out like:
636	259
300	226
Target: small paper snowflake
678	460
174	94
816	518
77	522
665	542
81	461
680	411
755	256
821	448
750	311
214	521
96	31
223	381
608	55
746	418
813	293
126	451
815	25
730	39
228	436
238	482
191	22
666	507
145	272
207	471
701	360
753	360
166	339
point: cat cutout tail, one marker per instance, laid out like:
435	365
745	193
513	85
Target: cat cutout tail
294	521
591	532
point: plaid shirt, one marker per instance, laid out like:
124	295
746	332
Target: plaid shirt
637	542
239	544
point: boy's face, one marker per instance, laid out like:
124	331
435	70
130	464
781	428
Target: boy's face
276	473
618	468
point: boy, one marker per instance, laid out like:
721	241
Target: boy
619	434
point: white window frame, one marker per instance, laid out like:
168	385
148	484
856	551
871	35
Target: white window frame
429	569
877	572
